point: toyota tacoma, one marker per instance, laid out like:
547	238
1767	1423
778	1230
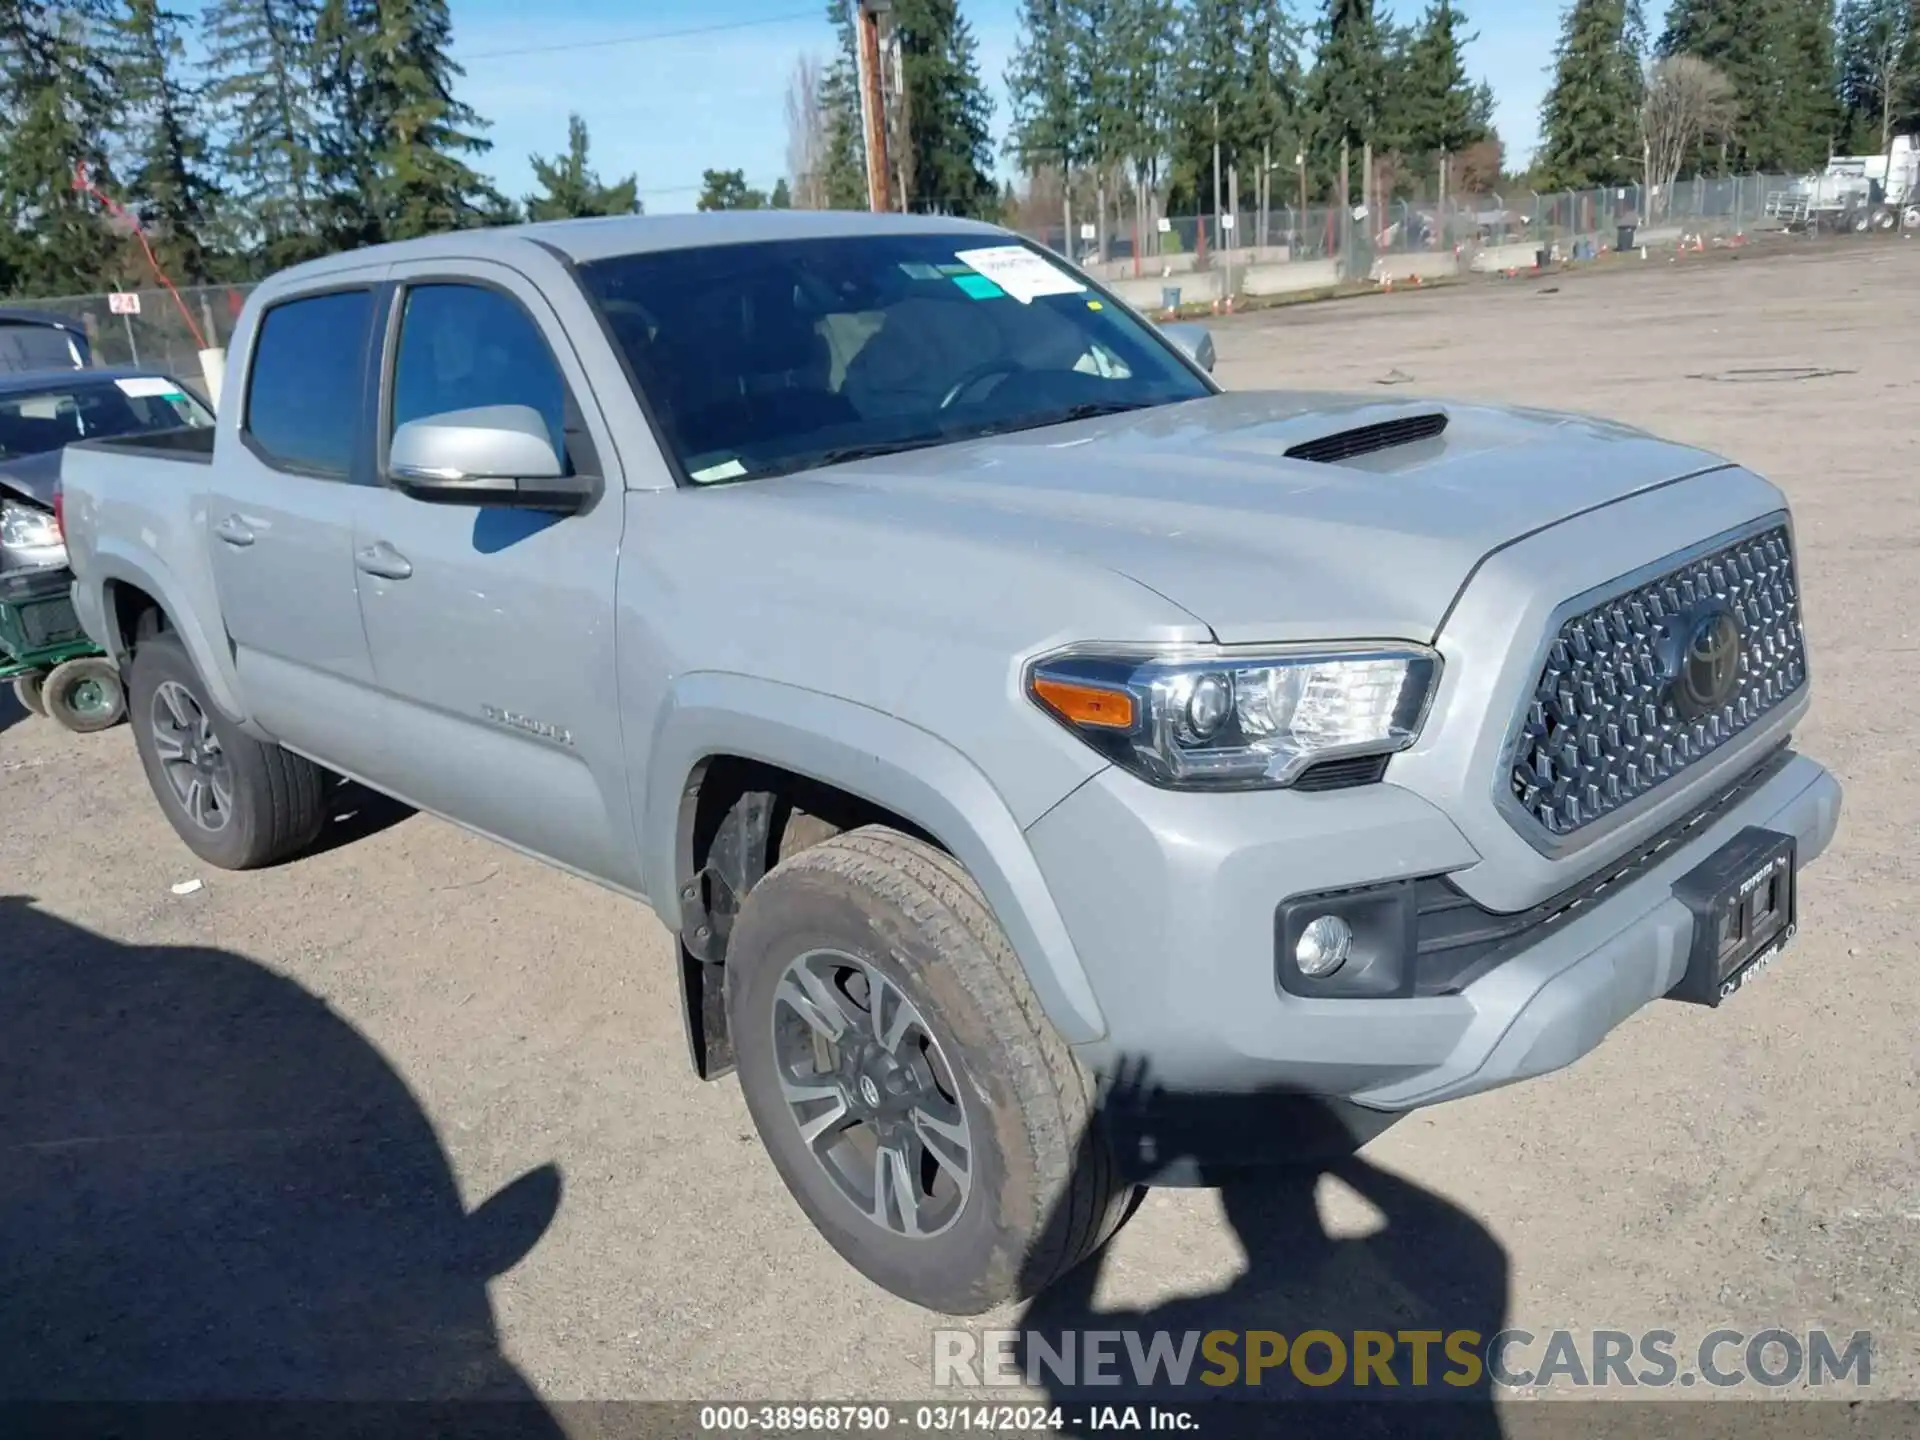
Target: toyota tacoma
990	704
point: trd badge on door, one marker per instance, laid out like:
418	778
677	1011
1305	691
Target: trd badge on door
527	723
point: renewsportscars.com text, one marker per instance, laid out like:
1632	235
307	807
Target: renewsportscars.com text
1457	1360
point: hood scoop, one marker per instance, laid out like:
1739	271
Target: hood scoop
1344	445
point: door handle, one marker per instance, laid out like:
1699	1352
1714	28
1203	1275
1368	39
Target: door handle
234	531
383	560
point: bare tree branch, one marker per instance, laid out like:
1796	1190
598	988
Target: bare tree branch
1687	101
806	136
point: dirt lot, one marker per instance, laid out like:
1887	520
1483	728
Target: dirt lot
290	1084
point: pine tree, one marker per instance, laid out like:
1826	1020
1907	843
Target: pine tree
572	189
1349	81
728	190
949	115
170	186
1590	120
268	109
781	198
58	106
1443	111
1777	65
396	135
843	176
1879	80
1041	83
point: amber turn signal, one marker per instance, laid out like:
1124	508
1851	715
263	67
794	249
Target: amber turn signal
1079	704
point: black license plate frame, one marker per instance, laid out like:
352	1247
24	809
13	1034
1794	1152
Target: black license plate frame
1744	901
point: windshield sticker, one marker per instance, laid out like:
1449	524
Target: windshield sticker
147	387
1022	273
725	470
916	270
978	287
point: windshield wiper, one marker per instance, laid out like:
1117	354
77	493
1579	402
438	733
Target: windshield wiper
1086	410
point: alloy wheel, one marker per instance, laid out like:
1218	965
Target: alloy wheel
872	1092
197	770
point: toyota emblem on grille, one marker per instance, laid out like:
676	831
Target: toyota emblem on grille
1703	662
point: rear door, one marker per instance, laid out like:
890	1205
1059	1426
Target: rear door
280	517
492	629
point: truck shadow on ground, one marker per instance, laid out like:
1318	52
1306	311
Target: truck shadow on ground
213	1188
355	813
12	712
1429	1266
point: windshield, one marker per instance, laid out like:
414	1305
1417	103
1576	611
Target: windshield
35	421
764	359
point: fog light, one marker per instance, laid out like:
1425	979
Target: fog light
1324	946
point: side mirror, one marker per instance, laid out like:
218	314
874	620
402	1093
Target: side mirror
495	455
1194	341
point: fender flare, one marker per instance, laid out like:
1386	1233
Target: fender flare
111	567
887	762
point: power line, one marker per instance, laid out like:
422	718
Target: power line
651	35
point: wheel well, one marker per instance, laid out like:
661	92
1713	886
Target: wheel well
132	613
738	819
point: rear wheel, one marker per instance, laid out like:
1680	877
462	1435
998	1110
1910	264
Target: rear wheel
919	1106
27	690
238	803
84	695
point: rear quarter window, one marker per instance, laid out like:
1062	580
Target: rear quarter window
305	387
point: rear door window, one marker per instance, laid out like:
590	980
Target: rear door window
304	391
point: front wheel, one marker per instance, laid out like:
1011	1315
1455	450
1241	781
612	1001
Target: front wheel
237	802
921	1109
84	695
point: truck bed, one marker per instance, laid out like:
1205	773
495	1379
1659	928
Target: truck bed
187	443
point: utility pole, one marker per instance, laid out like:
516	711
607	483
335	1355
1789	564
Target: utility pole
1300	164
1216	174
868	17
1346	208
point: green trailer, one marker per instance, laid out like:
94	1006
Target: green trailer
55	669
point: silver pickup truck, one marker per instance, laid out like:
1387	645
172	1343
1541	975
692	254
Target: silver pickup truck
1034	749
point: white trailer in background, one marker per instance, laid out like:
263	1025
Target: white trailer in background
1856	193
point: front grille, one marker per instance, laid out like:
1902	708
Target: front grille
1631	694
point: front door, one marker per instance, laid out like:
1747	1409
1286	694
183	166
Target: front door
491	629
280	519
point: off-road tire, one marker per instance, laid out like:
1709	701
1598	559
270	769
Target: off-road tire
279	799
27	690
93	676
1045	1193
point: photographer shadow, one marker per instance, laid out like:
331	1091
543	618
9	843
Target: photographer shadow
216	1190
1428	1277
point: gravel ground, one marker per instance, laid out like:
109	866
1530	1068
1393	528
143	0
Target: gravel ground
413	1116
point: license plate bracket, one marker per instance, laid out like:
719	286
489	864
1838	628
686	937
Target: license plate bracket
1743	900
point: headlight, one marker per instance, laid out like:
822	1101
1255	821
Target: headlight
27	527
1222	720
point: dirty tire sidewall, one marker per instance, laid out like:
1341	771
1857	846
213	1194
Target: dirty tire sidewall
254	835
27	689
828	899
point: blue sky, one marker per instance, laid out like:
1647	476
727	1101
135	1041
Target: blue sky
665	104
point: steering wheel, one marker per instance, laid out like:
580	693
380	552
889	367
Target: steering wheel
975	375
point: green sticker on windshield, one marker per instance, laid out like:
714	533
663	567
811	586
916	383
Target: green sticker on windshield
979	287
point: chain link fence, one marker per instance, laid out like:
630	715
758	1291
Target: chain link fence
150	328
1560	222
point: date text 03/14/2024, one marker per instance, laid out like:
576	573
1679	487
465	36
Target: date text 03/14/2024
730	1420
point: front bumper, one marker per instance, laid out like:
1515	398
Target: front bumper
1171	899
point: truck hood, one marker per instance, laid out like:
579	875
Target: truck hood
1201	503
32	477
